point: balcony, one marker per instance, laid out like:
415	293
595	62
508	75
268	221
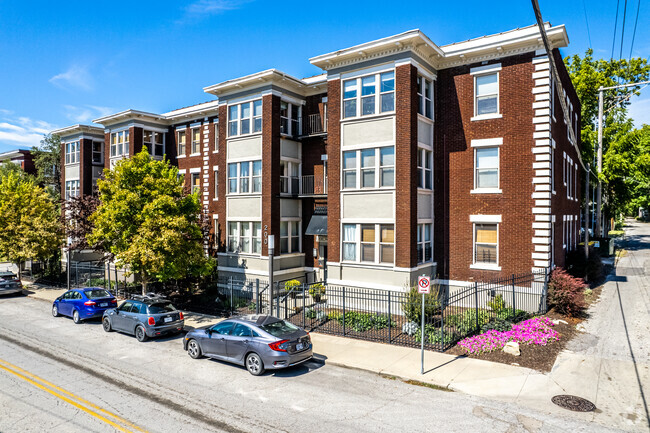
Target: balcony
313	124
303	186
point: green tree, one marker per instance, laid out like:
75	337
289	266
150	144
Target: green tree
10	167
148	223
47	159
31	224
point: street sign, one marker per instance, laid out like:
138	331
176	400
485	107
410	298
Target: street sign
424	285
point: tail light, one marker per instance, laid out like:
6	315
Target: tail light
89	303
113	301
279	346
152	321
182	318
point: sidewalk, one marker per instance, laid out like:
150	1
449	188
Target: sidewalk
486	379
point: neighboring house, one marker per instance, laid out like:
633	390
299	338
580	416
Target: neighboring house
20	157
404	158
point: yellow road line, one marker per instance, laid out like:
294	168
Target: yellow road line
25	375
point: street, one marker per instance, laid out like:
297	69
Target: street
58	375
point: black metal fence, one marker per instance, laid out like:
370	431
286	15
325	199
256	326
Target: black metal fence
450	313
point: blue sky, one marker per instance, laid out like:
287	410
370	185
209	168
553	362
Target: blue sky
71	62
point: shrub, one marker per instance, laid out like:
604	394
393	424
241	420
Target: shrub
362	322
566	293
412	304
311	313
513	317
466	322
496	324
433	335
317	291
497	303
290	287
535	331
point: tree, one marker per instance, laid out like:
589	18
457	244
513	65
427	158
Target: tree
31	227
10	167
78	223
148	223
47	159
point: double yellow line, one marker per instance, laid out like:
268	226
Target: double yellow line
92	409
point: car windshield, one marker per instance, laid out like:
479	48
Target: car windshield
97	293
161	307
279	328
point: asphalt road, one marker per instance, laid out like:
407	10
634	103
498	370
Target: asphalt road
58	376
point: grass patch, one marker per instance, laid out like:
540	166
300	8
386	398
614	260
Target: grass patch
616	233
428	385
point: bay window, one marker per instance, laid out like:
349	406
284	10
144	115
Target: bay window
425	97
289	177
486	167
154	142
245	118
425	243
245	237
120	143
72	152
369	243
377	95
245	177
485	243
486	94
290	118
376	168
98	152
425	172
71	189
289	237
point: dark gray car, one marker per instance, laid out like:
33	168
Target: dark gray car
255	341
144	317
9	283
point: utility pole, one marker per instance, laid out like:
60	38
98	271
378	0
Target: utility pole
587	211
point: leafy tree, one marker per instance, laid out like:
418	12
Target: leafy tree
31	227
10	167
47	159
148	223
78	224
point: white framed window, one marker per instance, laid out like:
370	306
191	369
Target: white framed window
425	171
216	136
486	168
216	184
372	94
120	143
289	237
486	94
71	189
289	177
425	243
181	140
98	152
196	182
195	133
369	243
369	168
486	244
553	98
154	142
245	177
245	237
575	182
72	152
553	166
245	118
425	97
290	115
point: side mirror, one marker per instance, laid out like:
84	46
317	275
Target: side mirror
209	332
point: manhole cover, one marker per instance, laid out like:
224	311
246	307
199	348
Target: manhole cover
574	403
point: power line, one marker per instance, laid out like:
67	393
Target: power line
587	21
615	27
620	54
634	32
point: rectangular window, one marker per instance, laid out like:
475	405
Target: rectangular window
552	167
368	168
425	97
350	242
386	243
154	142
485	243
366	102
425	243
120	143
289	237
196	140
368	242
425	172
98	152
376	168
290	118
196	183
289	179
181	140
387	166
71	189
216	137
245	237
487	167
72	152
216	184
245	118
486	94
240	177
375	243
349	169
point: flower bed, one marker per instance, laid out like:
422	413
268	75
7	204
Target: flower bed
537	331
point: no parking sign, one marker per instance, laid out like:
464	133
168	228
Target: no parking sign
424	285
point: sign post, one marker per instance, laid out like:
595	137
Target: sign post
424	287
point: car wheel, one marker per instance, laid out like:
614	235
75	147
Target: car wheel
140	333
254	364
106	324
55	311
75	317
193	349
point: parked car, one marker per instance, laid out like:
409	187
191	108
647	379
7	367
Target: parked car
9	283
84	303
256	342
144	317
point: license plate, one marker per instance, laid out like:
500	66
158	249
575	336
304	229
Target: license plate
299	346
103	304
168	319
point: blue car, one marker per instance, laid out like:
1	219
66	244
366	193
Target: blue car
82	304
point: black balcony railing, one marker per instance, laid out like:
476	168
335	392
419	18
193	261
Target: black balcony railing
313	124
313	185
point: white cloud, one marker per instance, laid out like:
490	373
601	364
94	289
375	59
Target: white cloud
86	113
639	110
21	132
76	77
203	8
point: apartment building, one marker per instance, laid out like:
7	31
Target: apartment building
21	157
403	158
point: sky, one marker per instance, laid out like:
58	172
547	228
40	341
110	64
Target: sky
63	63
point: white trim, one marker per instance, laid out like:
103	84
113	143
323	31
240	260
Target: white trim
485	267
485	218
484	142
486	191
195	170
487	69
486	116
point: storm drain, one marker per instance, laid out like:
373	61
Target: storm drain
574	403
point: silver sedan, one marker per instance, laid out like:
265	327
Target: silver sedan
257	342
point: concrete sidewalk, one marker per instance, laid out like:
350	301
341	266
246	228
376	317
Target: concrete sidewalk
502	382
